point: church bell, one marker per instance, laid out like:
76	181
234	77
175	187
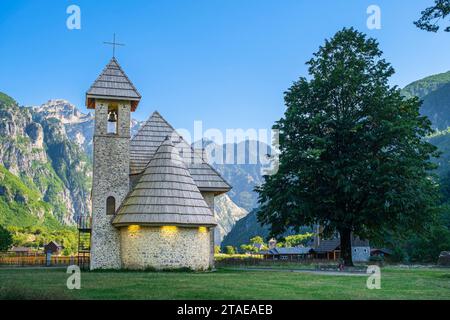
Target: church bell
112	116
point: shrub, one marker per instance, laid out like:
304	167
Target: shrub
230	250
376	259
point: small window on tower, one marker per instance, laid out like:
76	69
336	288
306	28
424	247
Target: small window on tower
112	120
110	206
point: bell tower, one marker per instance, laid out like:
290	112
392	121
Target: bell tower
113	97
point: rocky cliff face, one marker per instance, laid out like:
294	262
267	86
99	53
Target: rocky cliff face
227	214
79	126
39	152
21	139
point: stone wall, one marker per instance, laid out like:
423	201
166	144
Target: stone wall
110	178
165	247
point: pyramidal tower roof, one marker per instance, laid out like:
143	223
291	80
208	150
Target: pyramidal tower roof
112	84
166	194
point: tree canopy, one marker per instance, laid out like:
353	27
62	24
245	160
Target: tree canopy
6	239
298	239
352	154
434	15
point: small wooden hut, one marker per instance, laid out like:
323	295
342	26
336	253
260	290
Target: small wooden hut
53	248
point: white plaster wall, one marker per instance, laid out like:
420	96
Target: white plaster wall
165	248
361	254
209	199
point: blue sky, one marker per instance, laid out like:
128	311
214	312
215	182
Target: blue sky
225	62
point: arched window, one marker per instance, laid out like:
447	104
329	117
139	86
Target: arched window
113	119
110	206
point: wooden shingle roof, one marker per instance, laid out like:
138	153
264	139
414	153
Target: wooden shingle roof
287	251
328	245
165	194
113	84
150	136
334	244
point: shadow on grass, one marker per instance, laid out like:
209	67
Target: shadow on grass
149	270
20	293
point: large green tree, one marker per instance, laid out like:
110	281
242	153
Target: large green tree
6	239
433	16
352	154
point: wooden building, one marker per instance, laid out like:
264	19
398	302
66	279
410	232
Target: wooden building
21	251
331	249
53	248
382	252
287	254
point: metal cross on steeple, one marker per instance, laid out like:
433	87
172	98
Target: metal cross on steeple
114	44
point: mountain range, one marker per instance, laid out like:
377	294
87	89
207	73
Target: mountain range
434	91
46	166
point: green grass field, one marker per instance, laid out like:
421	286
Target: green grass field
396	283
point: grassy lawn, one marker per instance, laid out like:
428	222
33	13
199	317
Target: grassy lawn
396	283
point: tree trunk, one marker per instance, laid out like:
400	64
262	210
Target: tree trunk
346	247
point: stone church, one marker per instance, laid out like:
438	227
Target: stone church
152	194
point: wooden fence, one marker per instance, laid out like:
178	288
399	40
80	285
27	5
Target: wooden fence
41	260
259	261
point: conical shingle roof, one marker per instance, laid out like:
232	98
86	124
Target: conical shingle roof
150	136
166	194
113	84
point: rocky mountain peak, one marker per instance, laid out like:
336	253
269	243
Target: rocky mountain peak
64	111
